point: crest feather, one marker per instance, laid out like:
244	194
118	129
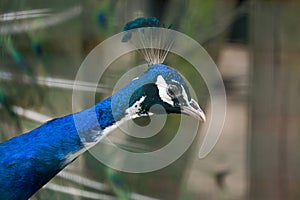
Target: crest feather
151	36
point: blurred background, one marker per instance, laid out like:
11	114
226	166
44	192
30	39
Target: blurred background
256	46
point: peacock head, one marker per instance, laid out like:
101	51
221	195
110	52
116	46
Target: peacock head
159	85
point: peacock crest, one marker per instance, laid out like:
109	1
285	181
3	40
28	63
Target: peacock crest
151	37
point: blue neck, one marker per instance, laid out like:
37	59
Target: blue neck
29	161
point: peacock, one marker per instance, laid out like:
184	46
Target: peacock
29	161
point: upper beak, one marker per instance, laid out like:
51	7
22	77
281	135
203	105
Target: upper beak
194	110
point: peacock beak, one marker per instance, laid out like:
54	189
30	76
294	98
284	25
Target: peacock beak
194	110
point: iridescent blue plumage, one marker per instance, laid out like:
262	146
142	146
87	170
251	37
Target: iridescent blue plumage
32	159
29	161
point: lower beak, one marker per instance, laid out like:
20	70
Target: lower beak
194	110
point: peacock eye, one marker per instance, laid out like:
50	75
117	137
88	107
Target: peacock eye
174	90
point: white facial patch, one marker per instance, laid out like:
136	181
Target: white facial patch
184	95
135	108
162	90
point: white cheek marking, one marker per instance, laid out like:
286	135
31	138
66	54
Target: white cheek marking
184	94
135	108
162	90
